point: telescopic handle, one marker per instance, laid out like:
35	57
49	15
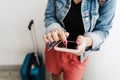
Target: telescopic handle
34	40
30	24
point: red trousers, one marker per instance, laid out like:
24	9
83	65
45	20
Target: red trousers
68	63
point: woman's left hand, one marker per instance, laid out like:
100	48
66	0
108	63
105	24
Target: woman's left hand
83	42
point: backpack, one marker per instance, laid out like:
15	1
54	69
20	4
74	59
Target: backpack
102	2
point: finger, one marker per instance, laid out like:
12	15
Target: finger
79	47
55	35
79	40
66	34
62	36
45	39
49	37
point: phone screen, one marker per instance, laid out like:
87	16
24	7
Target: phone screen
70	45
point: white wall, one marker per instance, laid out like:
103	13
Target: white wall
15	39
105	64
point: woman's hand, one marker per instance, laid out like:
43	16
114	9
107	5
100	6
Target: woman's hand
83	42
56	35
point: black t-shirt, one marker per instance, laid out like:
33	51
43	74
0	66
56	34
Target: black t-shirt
73	21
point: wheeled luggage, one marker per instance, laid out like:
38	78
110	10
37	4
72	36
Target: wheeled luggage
33	66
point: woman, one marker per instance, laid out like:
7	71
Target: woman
83	21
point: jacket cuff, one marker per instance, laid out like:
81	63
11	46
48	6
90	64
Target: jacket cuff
52	27
96	40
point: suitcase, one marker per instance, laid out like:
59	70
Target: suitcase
33	66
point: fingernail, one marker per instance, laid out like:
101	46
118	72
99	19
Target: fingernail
65	42
48	42
78	41
66	35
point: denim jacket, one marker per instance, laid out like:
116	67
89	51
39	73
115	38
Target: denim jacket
97	19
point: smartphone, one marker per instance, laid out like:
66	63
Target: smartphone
70	47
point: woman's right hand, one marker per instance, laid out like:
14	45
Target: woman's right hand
56	35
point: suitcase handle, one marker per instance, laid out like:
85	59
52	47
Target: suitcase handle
30	24
34	40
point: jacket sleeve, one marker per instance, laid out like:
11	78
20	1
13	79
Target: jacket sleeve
103	25
50	17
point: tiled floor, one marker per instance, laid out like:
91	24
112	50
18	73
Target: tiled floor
9	74
13	73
